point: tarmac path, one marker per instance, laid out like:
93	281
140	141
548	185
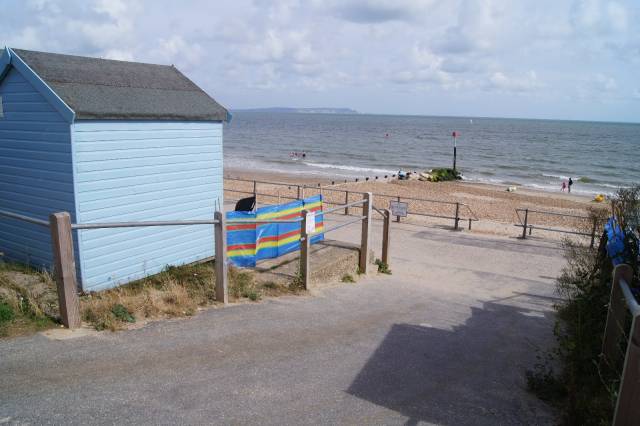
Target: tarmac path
444	340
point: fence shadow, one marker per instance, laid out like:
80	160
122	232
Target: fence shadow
473	374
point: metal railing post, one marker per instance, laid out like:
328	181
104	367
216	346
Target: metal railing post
346	201
65	269
593	232
386	234
298	195
457	218
221	264
303	188
398	217
305	244
366	233
524	227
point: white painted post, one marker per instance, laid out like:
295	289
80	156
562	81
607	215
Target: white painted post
221	264
366	233
305	245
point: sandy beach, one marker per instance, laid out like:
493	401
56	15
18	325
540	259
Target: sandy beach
492	206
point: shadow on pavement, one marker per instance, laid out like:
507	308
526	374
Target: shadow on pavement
473	374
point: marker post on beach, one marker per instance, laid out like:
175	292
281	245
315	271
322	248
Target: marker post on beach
455	135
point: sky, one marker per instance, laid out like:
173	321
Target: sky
577	60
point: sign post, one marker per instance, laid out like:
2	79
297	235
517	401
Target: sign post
399	209
455	135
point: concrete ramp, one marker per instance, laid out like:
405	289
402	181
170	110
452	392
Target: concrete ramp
330	261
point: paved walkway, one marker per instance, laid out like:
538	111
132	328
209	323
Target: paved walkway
444	340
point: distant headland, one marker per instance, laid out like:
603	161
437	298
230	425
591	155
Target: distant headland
300	110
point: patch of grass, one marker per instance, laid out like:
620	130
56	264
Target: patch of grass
177	291
28	300
242	285
270	285
348	278
6	313
383	267
121	313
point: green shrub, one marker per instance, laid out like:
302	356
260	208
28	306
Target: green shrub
573	376
121	313
383	267
6	313
348	278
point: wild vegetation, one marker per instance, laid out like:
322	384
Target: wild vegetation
573	376
28	301
28	298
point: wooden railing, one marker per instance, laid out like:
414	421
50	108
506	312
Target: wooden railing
64	257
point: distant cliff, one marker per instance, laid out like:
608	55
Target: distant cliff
301	110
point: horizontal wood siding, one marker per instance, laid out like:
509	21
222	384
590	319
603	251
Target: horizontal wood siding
140	171
36	176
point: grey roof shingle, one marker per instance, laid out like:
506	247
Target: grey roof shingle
117	90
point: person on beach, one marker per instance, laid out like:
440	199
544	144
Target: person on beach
564	185
570	183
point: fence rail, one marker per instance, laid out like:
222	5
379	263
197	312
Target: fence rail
627	411
64	258
461	212
526	225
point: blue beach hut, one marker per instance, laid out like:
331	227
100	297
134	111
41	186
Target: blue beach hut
107	141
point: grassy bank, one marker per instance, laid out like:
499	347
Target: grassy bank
28	301
28	298
175	292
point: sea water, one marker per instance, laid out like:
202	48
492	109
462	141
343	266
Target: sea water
600	157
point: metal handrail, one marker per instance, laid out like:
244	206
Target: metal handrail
526	225
629	298
342	206
341	225
24	218
553	213
473	217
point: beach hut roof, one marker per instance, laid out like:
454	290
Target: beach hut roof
104	89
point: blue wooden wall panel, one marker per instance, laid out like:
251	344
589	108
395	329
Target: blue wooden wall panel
138	171
35	169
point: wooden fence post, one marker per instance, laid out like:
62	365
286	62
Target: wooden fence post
221	263
524	227
346	201
457	218
366	233
305	244
615	316
386	234
65	269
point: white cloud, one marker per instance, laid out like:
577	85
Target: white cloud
523	83
251	51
